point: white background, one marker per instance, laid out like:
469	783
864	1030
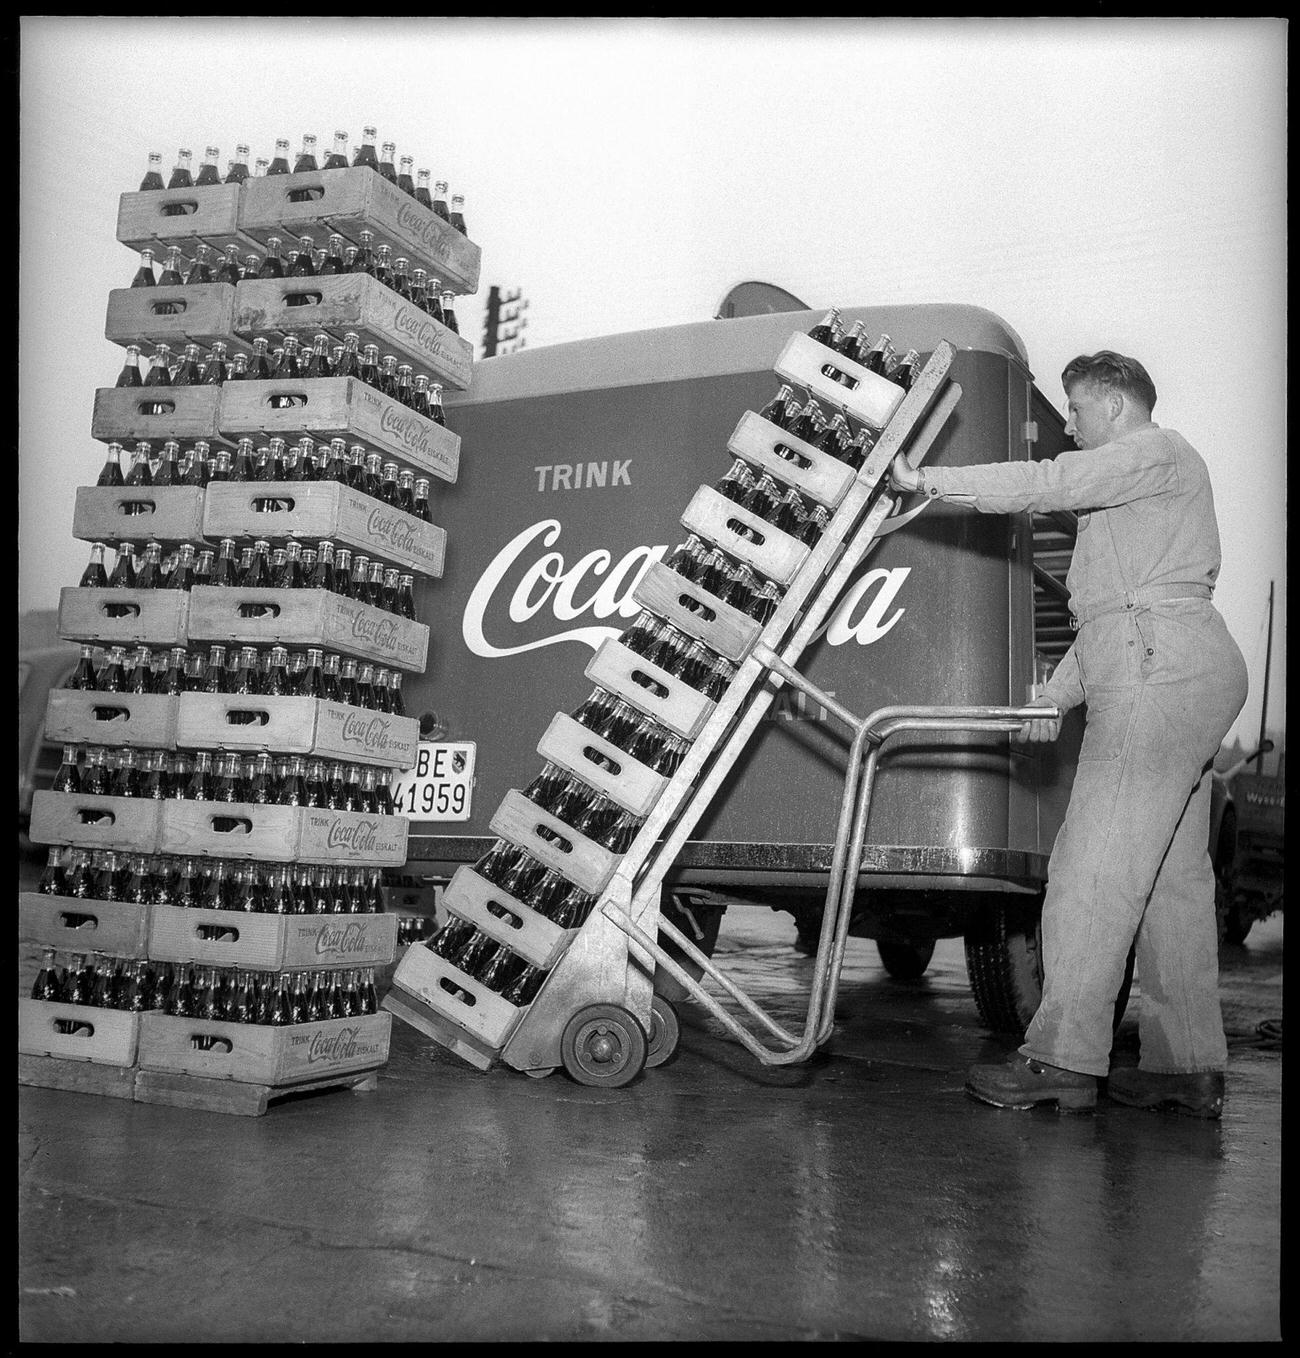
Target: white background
1098	183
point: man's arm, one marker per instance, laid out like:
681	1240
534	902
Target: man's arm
1134	467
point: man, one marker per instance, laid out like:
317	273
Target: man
1163	682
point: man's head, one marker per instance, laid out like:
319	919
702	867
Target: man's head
1106	395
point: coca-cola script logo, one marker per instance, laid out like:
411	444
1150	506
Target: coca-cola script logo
340	1045
341	939
376	629
418	222
428	334
396	529
407	428
361	836
370	732
597	586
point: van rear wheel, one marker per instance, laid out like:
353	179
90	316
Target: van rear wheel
905	961
1004	952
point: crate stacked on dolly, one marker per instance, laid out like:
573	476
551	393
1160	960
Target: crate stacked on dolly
237	712
530	969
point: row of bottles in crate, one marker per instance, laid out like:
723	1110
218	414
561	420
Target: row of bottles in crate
276	460
257	566
271	672
222	994
253	779
413	284
384	161
249	886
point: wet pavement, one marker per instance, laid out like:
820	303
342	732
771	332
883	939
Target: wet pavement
862	1196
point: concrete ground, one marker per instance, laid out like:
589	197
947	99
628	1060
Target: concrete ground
863	1196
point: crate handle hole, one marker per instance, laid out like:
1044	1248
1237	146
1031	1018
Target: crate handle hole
211	1042
556	841
73	1027
498	911
280	505
95	815
282	400
231	825
745	530
70	920
111	713
116	610
217	933
645	681
259	609
130	508
455	991
156	407
693	605
601	760
170	307
840	376
244	716
180	207
306	193
303	298
783	450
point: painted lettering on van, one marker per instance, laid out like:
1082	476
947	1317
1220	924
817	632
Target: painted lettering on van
597	586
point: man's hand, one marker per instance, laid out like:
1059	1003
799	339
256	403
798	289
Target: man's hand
1039	731
902	476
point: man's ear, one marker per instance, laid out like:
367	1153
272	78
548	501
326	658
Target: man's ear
1115	403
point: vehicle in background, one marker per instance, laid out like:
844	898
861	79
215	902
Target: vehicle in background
1251	887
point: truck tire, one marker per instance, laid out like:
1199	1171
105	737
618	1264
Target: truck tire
1233	918
905	961
1004	962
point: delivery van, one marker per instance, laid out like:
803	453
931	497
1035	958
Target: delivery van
577	461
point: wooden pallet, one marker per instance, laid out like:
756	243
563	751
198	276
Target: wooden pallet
340	407
304	726
311	511
77	1077
350	201
275	307
237	1097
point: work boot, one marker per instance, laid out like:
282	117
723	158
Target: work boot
1198	1095
1022	1083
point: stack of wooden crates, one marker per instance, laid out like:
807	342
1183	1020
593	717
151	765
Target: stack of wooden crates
154	1056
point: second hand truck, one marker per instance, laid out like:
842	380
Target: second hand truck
597	1013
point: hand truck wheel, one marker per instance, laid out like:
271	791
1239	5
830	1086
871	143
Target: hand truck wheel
604	1045
664	1031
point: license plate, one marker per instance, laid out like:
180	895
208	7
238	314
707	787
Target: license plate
440	786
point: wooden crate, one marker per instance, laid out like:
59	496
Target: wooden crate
583	861
634	786
211	216
91	822
179	314
350	201
719	626
104	1036
870	398
222	938
744	535
128	414
341	407
664	697
134	720
816	475
501	916
445	997
281	834
127	514
305	617
155	617
74	924
324	509
277	1059
275	307
305	726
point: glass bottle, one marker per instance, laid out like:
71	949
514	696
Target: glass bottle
406	596
130	375
301	261
272	265
436	412
338	157
422	194
153	173
365	152
448	311
433	298
153	775
200	270
330	687
51	880
95	576
457	214
111	678
280	160
440	200
349	363
182	576
375	584
237	169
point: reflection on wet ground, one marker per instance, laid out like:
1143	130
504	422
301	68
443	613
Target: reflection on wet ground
862	1195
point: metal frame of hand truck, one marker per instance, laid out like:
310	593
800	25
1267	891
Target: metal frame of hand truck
608	969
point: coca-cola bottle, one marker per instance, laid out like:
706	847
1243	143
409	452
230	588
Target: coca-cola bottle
440	200
904	372
85	677
200	270
436	412
208	172
395	693
338	157
95	576
130	376
457	215
68	776
387	167
827	330
449	312
182	576
781	409
181	177
171	276
111	678
433	298
272	265
48	984
141	472
140	676
153	780
159	374
77	879
51	879
368	368
144	275
237	169
301	263
122	575
422	194
153	173
877	356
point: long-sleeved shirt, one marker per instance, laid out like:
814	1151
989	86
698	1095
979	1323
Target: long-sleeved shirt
1146	517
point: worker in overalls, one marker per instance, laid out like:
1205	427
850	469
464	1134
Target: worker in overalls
1163	682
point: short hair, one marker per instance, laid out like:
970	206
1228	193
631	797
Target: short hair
1114	372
